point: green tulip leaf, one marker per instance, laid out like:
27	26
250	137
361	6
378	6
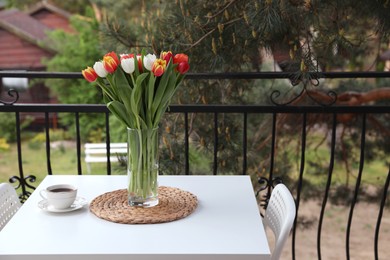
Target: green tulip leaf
119	110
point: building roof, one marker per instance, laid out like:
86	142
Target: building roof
24	26
51	16
23	36
49	7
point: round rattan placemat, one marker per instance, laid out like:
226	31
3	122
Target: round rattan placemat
173	204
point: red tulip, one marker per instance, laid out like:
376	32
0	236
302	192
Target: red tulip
110	62
183	67
158	67
139	59
166	55
89	74
126	56
181	57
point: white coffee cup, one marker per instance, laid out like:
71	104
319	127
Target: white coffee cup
60	196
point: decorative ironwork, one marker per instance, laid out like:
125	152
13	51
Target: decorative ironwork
306	80
266	185
23	183
11	93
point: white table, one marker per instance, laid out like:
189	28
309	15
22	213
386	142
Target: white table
226	225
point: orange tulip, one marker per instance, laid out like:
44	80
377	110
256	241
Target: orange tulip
158	67
110	62
89	74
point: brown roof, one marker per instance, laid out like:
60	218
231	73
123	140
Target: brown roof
52	16
46	6
24	26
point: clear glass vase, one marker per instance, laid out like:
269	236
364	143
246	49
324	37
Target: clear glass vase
142	167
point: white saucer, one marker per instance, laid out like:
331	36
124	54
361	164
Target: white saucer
77	204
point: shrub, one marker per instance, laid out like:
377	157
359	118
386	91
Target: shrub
3	144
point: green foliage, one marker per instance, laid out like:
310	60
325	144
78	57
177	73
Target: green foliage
335	33
228	35
55	135
37	141
131	24
210	33
7	127
75	51
8	124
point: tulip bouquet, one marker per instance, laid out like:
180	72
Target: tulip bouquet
137	90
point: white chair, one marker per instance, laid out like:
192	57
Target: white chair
279	216
9	203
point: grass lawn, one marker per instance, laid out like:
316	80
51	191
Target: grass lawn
317	162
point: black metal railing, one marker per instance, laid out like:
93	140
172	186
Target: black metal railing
275	111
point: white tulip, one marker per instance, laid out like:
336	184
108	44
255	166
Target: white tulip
99	69
128	65
149	60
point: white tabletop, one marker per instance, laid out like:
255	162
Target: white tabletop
226	225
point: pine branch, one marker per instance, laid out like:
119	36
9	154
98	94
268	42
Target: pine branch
210	32
222	10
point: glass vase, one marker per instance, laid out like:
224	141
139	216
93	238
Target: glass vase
142	167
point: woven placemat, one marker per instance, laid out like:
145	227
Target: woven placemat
173	204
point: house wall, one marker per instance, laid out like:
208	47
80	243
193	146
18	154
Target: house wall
18	54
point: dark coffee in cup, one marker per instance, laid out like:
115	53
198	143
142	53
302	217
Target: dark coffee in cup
61	190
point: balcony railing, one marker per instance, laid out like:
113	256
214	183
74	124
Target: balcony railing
301	116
